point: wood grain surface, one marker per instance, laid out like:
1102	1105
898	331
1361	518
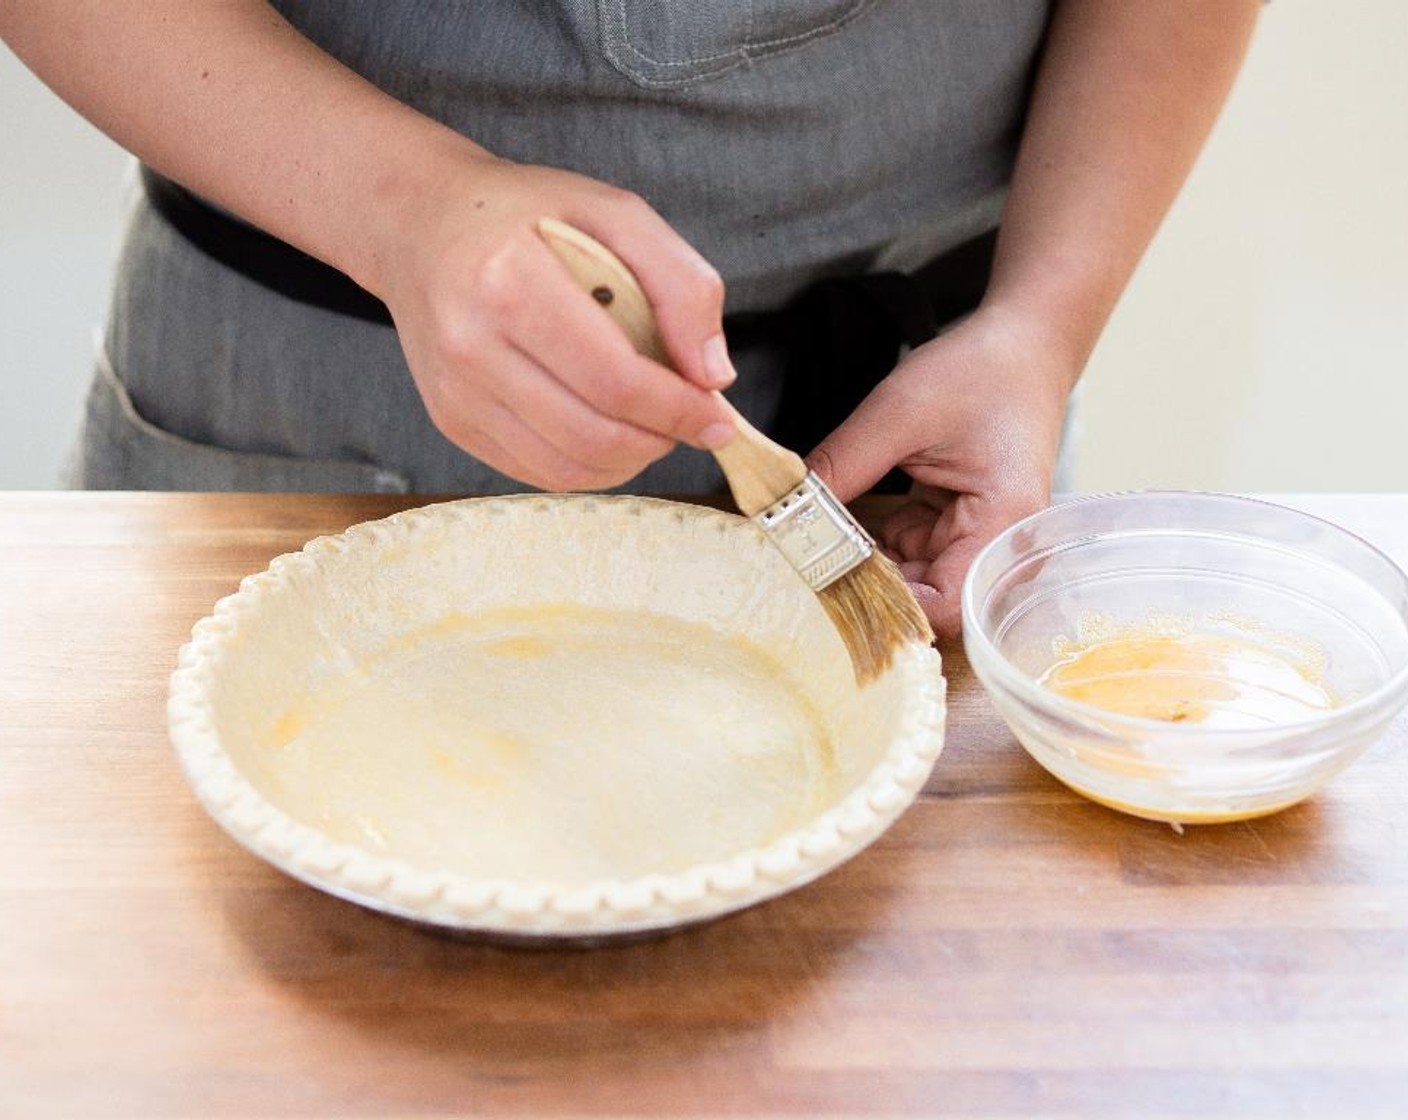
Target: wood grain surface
1006	950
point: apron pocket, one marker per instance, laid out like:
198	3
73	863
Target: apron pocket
120	450
675	42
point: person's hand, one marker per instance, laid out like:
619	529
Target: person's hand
974	417
522	369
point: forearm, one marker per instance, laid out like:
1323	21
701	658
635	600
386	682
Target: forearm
232	101
513	362
1125	97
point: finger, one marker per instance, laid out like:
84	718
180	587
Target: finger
943	602
572	425
913	542
545	466
490	451
907	530
571	336
914	571
934	608
685	290
867	445
960	534
491	428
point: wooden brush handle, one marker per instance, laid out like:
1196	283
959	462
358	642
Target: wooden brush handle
759	471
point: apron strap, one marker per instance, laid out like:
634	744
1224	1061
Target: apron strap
258	256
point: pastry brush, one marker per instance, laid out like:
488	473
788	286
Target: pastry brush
861	589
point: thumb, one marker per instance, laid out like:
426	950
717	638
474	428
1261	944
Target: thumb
867	445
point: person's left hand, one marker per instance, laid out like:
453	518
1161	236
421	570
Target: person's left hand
974	417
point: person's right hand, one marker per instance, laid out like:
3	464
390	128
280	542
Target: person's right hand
521	368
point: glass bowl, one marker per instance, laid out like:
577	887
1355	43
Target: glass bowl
1218	564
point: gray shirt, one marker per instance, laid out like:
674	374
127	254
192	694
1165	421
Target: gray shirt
783	138
786	139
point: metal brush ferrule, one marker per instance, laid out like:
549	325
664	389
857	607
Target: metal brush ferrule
816	533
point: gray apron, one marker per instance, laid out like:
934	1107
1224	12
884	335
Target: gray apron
788	140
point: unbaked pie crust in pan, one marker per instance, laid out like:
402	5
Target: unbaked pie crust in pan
546	718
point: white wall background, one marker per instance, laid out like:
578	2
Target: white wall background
1264	342
1263	345
60	201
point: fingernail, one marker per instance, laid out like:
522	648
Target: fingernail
716	435
716	364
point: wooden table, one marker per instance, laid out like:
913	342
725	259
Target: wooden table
1006	950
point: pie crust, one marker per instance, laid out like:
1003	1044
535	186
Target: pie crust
546	718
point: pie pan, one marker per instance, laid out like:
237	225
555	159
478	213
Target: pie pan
546	718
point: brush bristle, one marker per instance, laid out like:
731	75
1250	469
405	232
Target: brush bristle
875	614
